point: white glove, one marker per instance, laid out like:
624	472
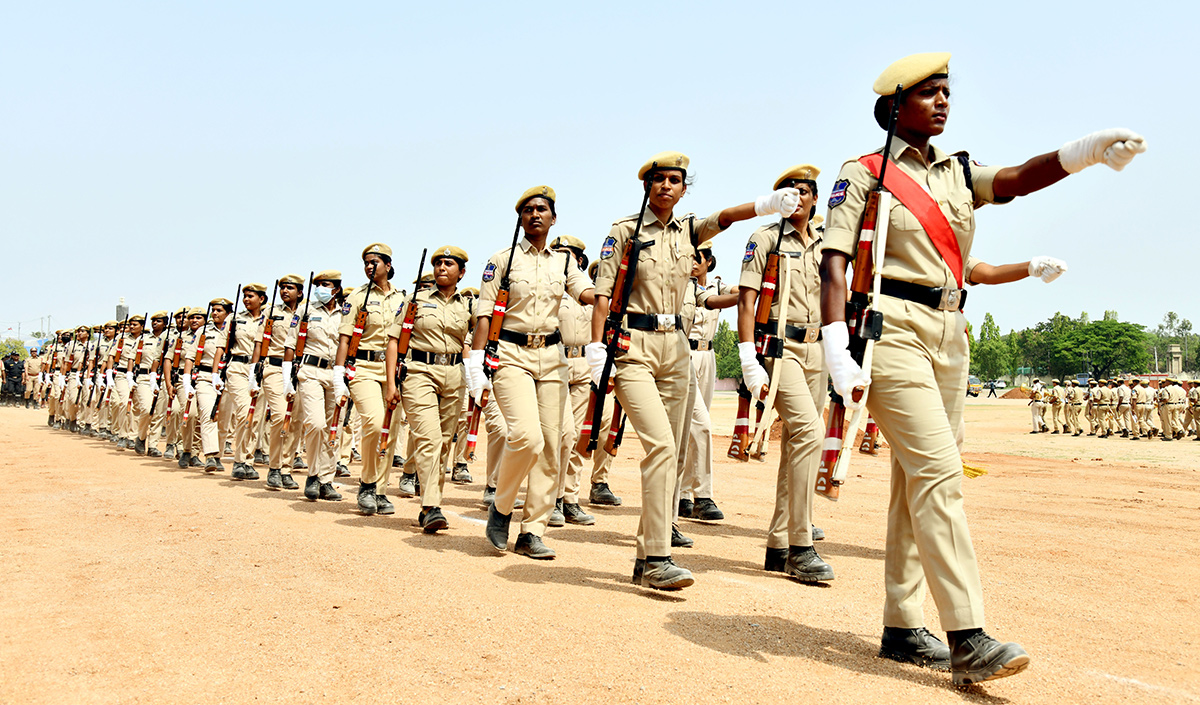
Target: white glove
42	378
87	382
254	386
187	386
58	379
846	374
129	378
783	201
216	381
288	386
595	354
75	376
477	379
108	376
1048	268
153	379
753	373
339	383
1115	147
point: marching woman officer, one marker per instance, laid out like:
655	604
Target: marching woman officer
434	387
315	397
917	382
652	377
368	387
530	384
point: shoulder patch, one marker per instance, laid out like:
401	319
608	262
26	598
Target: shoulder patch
489	272
609	246
345	308
838	195
295	321
750	248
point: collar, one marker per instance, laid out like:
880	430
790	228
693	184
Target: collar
527	247
899	147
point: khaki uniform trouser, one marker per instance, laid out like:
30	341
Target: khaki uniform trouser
432	398
367	388
313	413
71	410
652	383
684	433
1125	418
122	419
1177	418
235	401
531	400
142	395
1075	412
1055	417
151	426
917	396
206	398
348	434
189	429
570	463
460	433
282	446
801	387
698	458
497	431
260	423
1036	409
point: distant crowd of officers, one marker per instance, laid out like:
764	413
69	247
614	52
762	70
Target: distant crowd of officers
1129	408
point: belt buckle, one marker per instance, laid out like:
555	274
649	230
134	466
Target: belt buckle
810	334
535	341
702	345
950	298
573	351
664	322
441	359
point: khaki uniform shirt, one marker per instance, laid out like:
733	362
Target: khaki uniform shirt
1058	395
1176	395
283	332
213	338
575	322
33	367
75	354
538	280
323	334
664	268
911	255
804	260
248	334
703	323
441	324
382	310
1123	395
103	351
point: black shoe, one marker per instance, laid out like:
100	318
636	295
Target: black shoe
639	567
432	520
776	558
915	646
238	472
685	508
139	447
678	540
556	516
980	658
288	482
531	545
602	495
408	485
185	459
228	450
664	575
1054	433
461	475
329	493
805	565
489	496
384	504
299	464
213	464
706	510
312	488
194	462
154	453
575	515
169	453
274	479
260	458
366	498
397	461
341	471
497	528
355	456
818	534
249	472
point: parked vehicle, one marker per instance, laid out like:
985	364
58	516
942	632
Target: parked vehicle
974	386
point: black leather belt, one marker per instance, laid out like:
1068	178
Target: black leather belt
428	358
699	344
140	371
204	368
371	355
656	322
800	335
939	298
275	361
244	359
573	350
530	341
316	362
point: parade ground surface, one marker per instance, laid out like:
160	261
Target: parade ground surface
128	580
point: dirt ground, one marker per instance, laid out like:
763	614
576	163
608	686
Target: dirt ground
128	580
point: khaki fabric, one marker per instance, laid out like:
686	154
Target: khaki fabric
804	253
281	445
532	403
432	397
698	455
461	457
539	278
284	329
799	401
497	431
235	401
315	406
367	391
382	309
441	323
570	463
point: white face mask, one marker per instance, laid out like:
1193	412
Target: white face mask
322	294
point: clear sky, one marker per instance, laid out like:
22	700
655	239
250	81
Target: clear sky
166	151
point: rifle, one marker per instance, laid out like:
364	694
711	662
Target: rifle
95	372
301	339
263	349
196	361
865	324
83	369
406	329
491	349
121	332
615	338
162	364
360	322
223	364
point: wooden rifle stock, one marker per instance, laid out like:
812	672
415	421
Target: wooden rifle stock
301	340
406	329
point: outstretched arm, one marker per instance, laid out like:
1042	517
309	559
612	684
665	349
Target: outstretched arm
1114	148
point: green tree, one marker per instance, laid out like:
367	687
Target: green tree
990	355
1110	315
1112	346
10	344
725	346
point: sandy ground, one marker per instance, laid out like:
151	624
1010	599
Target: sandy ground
128	580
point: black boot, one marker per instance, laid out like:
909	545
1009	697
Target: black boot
497	528
976	657
805	565
776	557
366	498
916	646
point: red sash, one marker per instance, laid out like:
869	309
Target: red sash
924	209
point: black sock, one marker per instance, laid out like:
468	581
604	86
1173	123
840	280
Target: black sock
657	559
961	635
